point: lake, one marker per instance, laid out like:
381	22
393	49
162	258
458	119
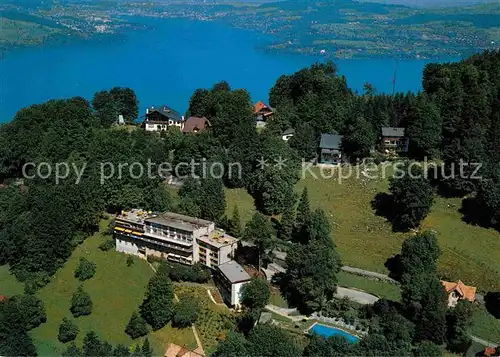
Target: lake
166	62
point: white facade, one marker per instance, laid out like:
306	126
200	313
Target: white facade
127	247
161	126
236	292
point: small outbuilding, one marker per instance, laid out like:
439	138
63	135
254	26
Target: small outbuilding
287	134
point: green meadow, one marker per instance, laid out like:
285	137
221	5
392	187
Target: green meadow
365	240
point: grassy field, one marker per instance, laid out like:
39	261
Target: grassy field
485	325
8	283
365	240
116	291
277	299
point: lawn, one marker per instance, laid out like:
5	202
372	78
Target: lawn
241	198
277	299
365	240
374	287
9	285
214	321
116	291
485	325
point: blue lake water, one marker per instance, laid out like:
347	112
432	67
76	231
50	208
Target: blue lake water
165	63
327	331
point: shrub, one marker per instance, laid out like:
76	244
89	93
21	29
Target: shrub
67	331
195	273
85	270
107	245
81	304
154	259
186	312
130	260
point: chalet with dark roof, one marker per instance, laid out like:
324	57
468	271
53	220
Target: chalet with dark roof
161	118
330	149
393	139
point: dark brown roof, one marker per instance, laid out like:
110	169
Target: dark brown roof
195	124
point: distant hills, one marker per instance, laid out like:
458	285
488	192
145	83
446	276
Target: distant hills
433	3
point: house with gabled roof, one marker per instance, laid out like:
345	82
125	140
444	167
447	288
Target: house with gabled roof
262	112
174	350
161	118
330	149
458	291
394	139
195	125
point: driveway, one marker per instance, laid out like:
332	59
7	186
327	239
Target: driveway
356	295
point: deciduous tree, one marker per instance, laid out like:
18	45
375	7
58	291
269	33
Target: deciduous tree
413	197
85	269
32	309
256	293
186	312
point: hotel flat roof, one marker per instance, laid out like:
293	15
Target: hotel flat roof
234	272
134	215
218	239
179	221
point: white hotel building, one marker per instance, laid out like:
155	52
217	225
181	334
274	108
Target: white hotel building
185	240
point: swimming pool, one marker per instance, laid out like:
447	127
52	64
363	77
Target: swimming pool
327	331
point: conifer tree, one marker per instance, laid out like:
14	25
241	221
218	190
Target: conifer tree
146	349
212	201
136	326
158	306
303	214
260	231
288	218
235	223
67	331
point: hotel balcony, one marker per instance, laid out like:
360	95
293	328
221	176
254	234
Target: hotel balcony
160	241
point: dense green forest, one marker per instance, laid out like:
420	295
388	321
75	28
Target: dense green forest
456	117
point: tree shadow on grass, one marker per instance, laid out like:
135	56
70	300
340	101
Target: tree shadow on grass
492	303
395	267
383	205
473	212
